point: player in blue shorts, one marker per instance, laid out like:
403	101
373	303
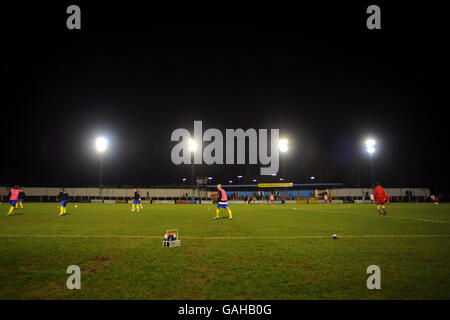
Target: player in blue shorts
63	198
21	198
136	200
223	202
13	197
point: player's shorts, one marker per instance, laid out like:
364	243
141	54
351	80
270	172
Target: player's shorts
135	201
63	203
20	200
381	201
222	205
13	202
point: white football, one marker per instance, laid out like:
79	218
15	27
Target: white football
76	206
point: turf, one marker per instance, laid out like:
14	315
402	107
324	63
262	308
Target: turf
265	252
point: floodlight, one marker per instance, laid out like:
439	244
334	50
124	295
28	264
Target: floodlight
210	178
184	179
239	177
370	149
230	181
192	145
283	145
254	180
101	144
312	178
281	179
370	143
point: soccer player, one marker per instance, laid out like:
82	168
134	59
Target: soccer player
271	198
388	199
223	202
380	198
21	198
435	199
136	198
140	203
63	198
13	197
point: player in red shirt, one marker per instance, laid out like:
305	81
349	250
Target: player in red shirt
380	198
13	197
435	199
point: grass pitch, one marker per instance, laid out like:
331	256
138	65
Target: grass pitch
265	252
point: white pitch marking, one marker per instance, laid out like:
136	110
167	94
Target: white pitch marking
228	238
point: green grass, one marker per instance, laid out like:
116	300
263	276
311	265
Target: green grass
265	252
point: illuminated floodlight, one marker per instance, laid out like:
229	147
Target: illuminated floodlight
184	179
210	178
192	145
254	180
281	179
239	177
370	145
230	181
274	174
101	144
312	178
283	145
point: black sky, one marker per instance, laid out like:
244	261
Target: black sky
135	73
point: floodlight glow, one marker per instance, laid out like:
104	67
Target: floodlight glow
230	181
184	179
283	145
274	174
312	178
254	180
101	144
370	149
370	143
192	145
240	177
210	178
281	179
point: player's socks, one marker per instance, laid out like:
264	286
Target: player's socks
64	210
21	205
11	209
61	210
217	213
17	205
230	215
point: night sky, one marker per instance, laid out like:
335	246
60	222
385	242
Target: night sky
135	73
